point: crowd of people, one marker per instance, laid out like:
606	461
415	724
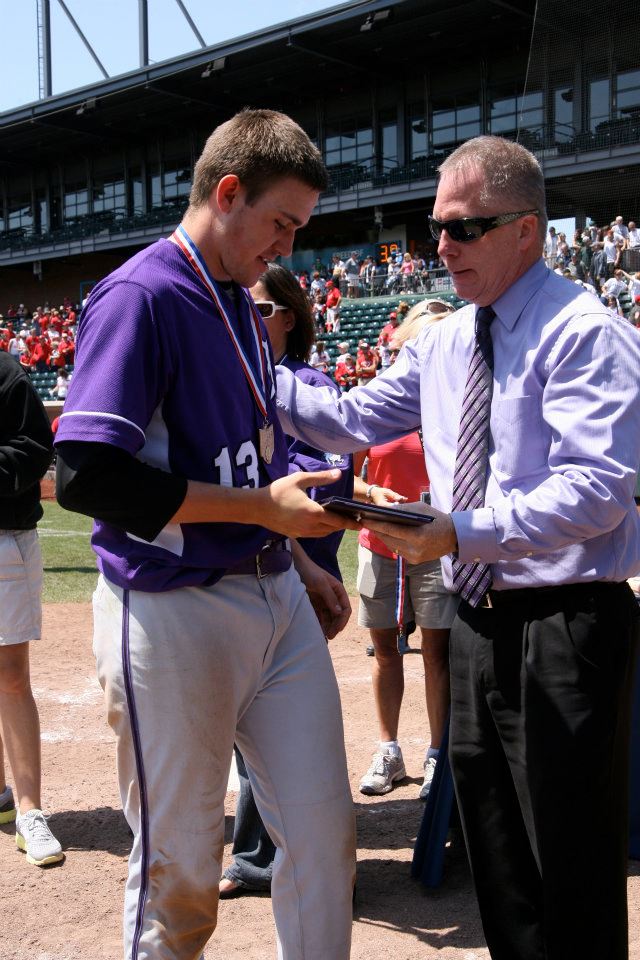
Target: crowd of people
603	259
368	276
42	340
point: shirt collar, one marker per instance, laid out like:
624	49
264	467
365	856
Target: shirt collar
510	305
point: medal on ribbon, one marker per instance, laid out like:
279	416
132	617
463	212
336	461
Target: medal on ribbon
257	381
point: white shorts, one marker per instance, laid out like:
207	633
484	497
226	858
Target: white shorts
20	586
426	600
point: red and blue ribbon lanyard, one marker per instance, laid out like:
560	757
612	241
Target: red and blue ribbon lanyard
257	385
404	631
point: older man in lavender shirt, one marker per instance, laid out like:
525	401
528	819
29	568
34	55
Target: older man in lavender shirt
542	659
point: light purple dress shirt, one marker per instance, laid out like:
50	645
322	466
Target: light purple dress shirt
564	432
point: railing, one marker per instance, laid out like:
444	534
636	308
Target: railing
427	281
93	225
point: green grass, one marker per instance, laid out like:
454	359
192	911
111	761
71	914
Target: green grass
70	571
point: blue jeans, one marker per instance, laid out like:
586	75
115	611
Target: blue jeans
253	849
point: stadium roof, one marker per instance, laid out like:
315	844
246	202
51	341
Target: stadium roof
337	49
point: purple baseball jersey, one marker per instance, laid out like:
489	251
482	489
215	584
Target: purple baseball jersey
157	375
302	456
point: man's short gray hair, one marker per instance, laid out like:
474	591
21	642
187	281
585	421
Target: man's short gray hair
511	173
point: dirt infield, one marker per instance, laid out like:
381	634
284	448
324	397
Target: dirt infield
73	912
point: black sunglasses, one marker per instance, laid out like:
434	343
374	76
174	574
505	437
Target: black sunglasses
466	229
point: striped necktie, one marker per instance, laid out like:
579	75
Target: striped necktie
472	580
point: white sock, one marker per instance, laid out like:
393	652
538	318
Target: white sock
390	747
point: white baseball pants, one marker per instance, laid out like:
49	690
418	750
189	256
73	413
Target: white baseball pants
186	673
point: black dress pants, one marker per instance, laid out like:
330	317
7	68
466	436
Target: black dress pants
539	749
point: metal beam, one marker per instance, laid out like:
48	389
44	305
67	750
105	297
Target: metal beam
83	38
45	25
187	17
143	32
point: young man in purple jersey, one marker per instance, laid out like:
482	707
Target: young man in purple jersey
204	633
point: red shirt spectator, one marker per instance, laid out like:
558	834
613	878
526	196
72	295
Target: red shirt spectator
366	363
346	375
67	348
389	327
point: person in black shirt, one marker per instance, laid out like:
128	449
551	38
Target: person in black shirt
25	453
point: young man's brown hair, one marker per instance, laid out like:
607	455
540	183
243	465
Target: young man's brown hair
259	147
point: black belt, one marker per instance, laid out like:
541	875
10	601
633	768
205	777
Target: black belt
502	598
275	557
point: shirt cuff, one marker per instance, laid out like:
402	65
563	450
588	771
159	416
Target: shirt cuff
476	533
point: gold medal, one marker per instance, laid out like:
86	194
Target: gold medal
267	442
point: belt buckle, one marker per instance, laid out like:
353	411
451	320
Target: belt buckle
486	603
259	571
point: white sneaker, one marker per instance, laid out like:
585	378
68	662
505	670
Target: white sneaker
7	806
385	769
429	770
35	838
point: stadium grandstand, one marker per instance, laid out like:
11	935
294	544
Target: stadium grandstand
386	88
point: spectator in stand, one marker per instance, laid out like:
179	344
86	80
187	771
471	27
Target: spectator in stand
612	251
320	359
393	272
551	248
390	326
67	349
303	281
633	285
70	320
634	316
576	267
320	268
319	310
613	304
585	251
620	230
367	361
614	286
351	273
402	310
56	360
367	272
317	284
384	351
61	386
333	301
564	250
56	321
17	346
40	354
633	240
343	350
407	270
346	374
337	266
599	266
